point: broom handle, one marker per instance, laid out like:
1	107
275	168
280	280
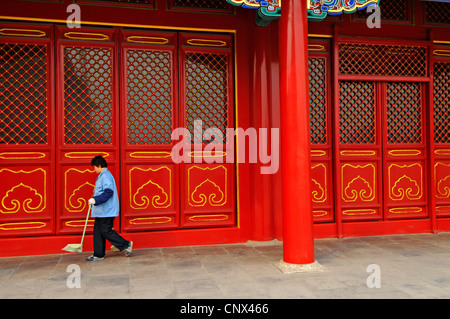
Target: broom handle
85	224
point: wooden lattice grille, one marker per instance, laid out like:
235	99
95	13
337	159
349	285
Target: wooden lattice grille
404	112
437	12
149	91
129	1
391	10
87	95
357	112
23	94
385	60
318	100
206	94
441	101
210	4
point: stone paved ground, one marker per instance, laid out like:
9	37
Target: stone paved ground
411	266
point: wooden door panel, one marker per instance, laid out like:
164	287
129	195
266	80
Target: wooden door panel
87	119
207	111
319	62
359	151
26	131
208	190
152	197
441	138
321	189
26	200
405	155
442	186
149	112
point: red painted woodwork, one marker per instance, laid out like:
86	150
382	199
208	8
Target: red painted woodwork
149	100
207	194
357	189
87	67
262	212
298	245
400	171
381	154
27	131
405	160
359	159
440	138
321	130
87	118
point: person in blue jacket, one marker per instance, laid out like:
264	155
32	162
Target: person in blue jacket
105	208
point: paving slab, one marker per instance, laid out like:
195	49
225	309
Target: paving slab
408	266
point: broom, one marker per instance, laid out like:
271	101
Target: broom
78	248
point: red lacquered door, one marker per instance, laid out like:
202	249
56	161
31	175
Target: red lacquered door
405	154
87	119
360	153
321	131
441	136
26	131
149	115
207	192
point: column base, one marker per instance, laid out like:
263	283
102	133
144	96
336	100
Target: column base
288	268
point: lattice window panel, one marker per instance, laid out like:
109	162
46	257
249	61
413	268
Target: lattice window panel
404	112
380	59
23	94
130	1
437	12
87	95
149	97
209	4
206	94
357	112
318	100
391	10
441	101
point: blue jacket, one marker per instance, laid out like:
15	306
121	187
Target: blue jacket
105	195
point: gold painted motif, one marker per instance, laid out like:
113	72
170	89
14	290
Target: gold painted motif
139	199
200	194
23	155
357	153
149	154
147	40
405	186
208	218
150	220
405	152
359	212
406	210
319	190
443	184
75	200
358	187
207	42
22	196
22	225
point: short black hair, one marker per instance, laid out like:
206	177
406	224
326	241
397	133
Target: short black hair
99	161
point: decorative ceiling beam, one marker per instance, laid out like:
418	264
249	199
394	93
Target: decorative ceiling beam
319	9
268	10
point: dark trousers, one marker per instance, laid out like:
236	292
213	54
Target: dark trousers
103	231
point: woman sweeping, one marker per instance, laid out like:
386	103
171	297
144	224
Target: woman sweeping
105	208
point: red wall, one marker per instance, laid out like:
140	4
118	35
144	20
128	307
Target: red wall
257	98
98	14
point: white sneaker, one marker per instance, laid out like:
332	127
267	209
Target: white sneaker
94	258
129	249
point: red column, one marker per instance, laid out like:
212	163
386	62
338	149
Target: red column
298	241
262	214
